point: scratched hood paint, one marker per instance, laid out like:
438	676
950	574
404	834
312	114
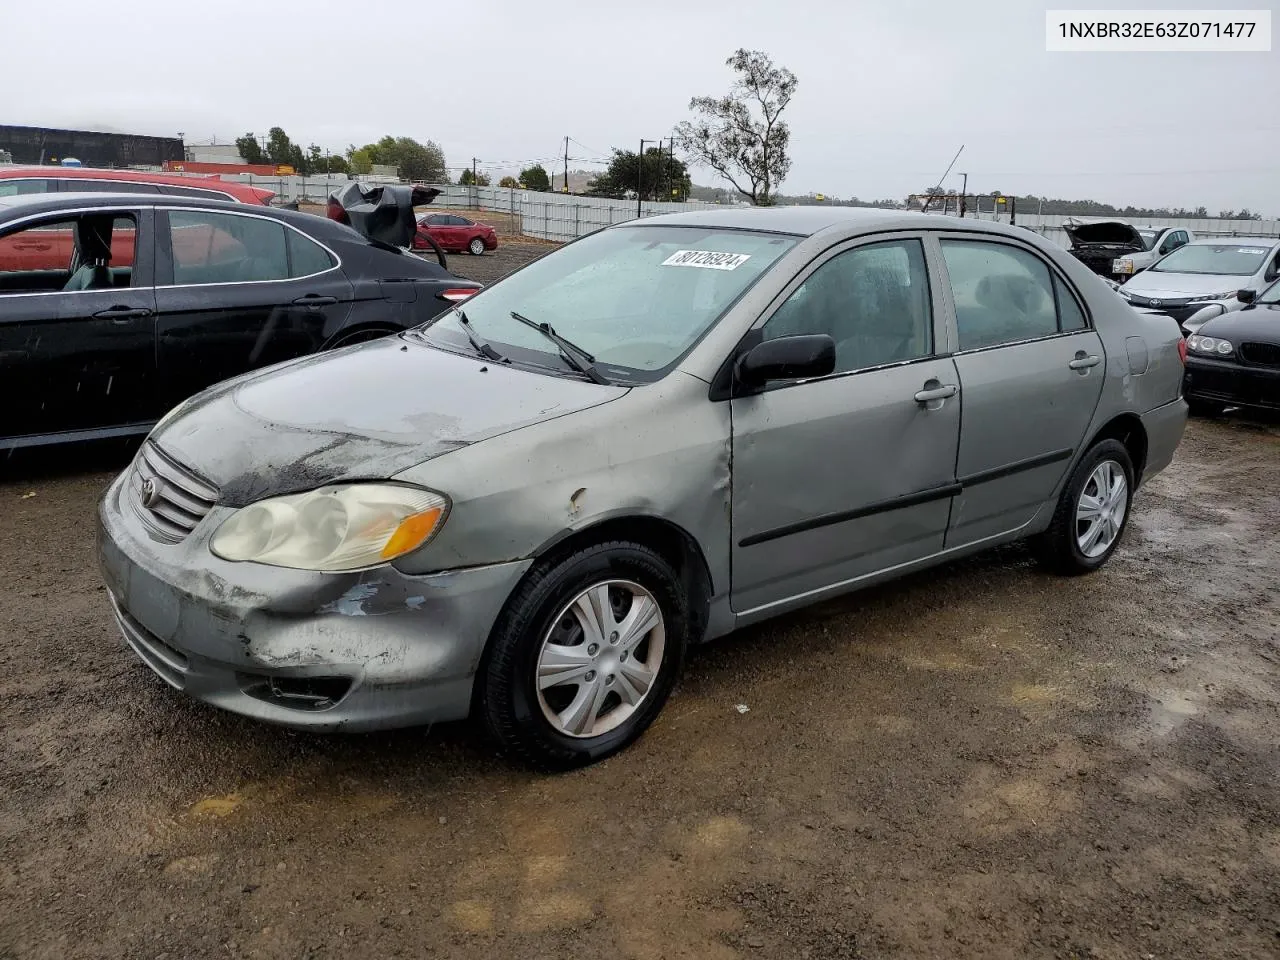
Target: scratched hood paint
366	412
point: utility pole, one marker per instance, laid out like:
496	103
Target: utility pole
964	190
671	165
640	178
657	174
566	164
473	171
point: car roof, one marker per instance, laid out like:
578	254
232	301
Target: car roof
158	178
807	221
29	204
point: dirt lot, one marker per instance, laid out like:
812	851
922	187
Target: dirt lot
981	761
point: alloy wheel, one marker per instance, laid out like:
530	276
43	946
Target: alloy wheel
1101	509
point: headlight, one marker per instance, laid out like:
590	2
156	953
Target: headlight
1205	298
1210	345
334	528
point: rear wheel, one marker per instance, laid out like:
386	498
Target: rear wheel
1092	512
584	656
476	246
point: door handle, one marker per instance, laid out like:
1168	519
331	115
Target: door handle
937	393
119	314
1081	362
315	300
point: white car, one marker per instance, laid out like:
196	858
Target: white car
1115	249
1206	278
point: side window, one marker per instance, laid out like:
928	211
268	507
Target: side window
14	188
1069	311
306	258
210	247
872	300
1002	293
108	186
1170	243
90	252
458	221
1182	237
437	220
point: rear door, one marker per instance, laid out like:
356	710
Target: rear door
76	361
1031	372
239	291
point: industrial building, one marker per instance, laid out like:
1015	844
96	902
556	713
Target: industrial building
38	145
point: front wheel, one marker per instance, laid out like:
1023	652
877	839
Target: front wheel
1092	512
584	655
476	246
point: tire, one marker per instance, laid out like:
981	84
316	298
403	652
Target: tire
476	246
1205	408
1060	548
528	721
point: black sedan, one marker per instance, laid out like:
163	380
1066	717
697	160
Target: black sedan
114	308
1233	360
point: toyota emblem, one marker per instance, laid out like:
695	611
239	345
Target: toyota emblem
150	492
1155	303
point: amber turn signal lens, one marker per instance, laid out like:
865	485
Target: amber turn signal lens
412	533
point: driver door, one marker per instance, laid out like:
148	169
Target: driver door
238	292
76	361
840	477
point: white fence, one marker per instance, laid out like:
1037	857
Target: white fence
554	216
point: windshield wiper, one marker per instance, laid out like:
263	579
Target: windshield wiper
577	358
482	345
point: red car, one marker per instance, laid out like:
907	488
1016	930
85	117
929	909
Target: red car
19	180
453	232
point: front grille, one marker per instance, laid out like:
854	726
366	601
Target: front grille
169	498
169	664
1260	354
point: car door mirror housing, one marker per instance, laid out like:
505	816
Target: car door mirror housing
787	358
1246	295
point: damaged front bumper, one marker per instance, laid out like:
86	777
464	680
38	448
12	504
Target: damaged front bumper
354	651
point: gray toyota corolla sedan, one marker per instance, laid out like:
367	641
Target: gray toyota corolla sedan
528	508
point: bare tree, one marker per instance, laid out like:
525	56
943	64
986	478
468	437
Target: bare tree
727	135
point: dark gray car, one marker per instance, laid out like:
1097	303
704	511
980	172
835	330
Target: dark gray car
657	434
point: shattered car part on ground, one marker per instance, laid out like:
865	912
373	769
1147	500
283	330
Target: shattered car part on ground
563	551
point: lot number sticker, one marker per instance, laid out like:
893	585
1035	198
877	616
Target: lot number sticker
706	259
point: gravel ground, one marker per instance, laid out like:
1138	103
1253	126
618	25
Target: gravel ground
980	761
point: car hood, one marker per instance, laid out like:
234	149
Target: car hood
1259	322
1109	232
363	413
1173	286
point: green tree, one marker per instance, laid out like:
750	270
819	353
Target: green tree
747	150
663	177
468	179
535	178
412	160
510	183
250	149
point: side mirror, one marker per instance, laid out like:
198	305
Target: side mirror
787	358
1246	295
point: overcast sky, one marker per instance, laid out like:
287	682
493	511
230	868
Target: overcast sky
889	89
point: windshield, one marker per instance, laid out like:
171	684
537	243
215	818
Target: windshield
1222	259
1149	237
1271	294
633	298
